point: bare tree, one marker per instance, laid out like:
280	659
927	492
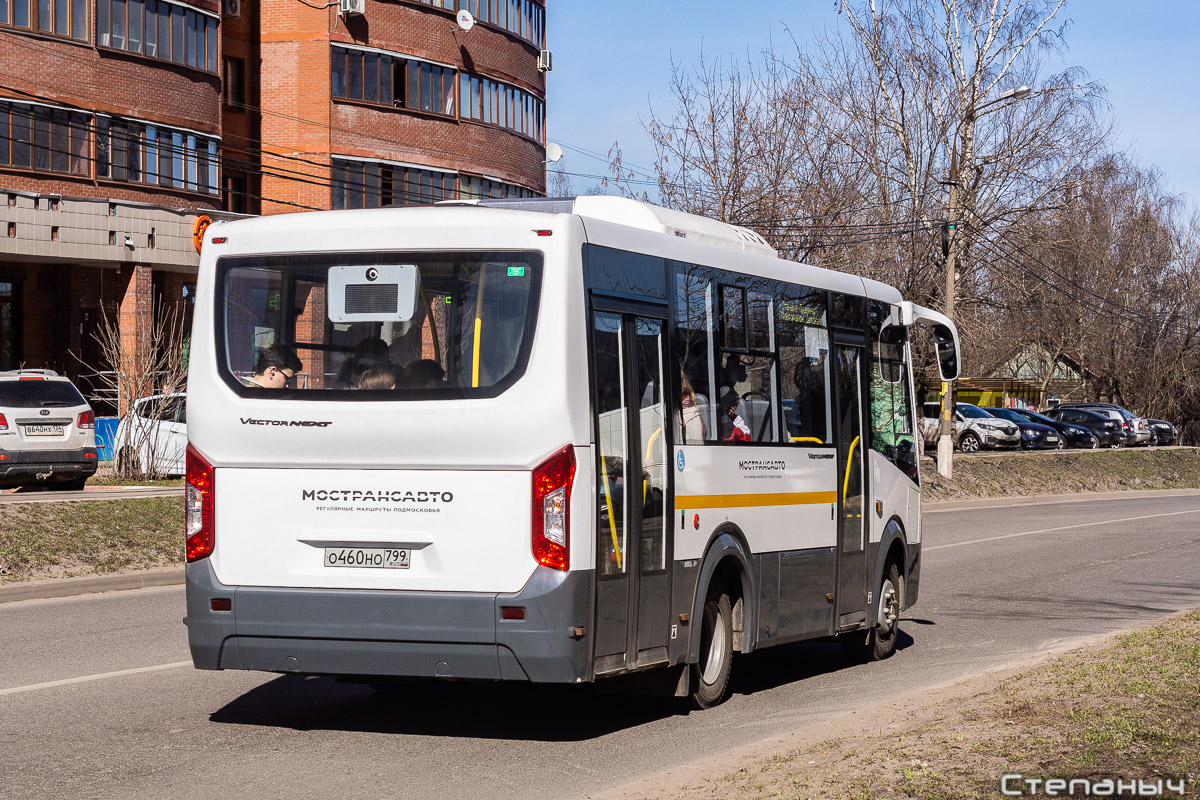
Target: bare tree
151	364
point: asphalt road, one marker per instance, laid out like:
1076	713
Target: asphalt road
98	699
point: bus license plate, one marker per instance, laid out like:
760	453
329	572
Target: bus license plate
43	430
368	557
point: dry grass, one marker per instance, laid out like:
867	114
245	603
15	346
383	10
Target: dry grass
1129	709
58	540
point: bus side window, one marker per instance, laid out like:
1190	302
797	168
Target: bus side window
804	367
695	347
891	403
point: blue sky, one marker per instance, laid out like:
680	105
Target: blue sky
612	61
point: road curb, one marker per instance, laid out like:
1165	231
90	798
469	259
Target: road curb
90	584
935	506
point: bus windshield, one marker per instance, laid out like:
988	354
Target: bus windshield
469	335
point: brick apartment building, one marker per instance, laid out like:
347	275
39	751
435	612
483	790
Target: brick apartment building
124	122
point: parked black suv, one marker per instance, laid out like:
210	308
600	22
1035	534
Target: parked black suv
1107	429
47	431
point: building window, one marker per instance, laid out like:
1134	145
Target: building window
134	152
496	103
372	184
473	187
233	86
158	29
44	139
66	18
524	19
392	80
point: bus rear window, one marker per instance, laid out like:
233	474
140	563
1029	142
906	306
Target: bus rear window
468	335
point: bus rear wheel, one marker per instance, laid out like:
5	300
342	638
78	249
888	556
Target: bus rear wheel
710	676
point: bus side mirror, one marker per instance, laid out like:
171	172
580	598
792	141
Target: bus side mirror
947	352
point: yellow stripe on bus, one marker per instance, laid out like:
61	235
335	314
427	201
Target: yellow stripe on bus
750	500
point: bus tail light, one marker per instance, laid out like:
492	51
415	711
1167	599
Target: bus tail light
199	502
552	509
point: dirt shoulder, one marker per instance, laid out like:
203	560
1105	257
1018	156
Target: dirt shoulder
1069	472
1123	707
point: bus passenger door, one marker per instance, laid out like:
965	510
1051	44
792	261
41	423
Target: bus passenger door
632	546
852	551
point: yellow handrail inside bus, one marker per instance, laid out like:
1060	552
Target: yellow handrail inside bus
807	439
612	522
478	326
849	455
650	446
437	350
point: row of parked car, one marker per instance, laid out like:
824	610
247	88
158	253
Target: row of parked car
1067	425
48	433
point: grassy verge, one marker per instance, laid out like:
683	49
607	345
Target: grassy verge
58	540
1023	474
1128	709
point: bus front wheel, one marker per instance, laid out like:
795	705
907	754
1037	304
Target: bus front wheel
710	676
881	643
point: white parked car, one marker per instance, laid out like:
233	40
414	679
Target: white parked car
152	438
47	431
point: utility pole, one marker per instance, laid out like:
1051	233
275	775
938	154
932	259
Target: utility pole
945	446
954	222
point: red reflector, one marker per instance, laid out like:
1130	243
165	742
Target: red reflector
220	239
88	455
512	612
3	457
544	233
222	604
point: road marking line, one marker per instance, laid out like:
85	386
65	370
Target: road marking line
1062	528
33	687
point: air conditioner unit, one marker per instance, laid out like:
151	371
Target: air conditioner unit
231	8
545	61
352	7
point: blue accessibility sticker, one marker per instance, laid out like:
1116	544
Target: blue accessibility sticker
679	460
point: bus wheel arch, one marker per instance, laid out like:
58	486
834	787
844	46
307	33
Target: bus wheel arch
726	564
720	611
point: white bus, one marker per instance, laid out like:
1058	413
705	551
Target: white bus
542	440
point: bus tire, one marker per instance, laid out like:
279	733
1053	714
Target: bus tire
881	642
710	676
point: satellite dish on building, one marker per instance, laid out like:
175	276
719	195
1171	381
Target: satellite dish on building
554	153
465	19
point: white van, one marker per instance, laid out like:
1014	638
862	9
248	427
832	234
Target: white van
475	441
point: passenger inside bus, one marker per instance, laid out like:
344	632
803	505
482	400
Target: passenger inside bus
733	427
375	379
272	369
692	429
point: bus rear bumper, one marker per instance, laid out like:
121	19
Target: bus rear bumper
383	633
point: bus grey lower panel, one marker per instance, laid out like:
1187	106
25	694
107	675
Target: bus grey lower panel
341	657
343	631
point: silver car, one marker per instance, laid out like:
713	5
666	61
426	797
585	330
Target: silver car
974	429
47	431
